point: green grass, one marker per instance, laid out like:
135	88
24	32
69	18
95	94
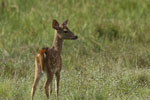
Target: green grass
109	61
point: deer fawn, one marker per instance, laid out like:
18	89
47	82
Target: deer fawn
49	61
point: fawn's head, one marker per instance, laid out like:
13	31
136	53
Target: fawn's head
63	31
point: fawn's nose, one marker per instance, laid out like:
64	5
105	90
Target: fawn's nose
76	37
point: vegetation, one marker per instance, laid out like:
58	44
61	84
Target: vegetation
109	61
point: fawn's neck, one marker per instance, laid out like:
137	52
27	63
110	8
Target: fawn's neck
57	42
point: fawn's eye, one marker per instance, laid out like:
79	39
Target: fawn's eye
65	31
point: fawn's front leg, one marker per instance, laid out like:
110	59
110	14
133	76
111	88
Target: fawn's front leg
47	84
50	89
57	85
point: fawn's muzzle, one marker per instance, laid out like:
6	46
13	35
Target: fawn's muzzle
75	37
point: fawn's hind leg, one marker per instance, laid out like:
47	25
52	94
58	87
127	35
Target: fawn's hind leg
37	77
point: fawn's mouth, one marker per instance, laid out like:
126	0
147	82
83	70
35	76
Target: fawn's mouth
74	38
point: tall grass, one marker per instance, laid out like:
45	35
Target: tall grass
109	61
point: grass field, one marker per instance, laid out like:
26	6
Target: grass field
109	61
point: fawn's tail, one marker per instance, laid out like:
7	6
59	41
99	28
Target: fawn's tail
42	58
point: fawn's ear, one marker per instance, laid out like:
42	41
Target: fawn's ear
55	24
65	23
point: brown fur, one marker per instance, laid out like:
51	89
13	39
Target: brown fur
49	61
42	53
